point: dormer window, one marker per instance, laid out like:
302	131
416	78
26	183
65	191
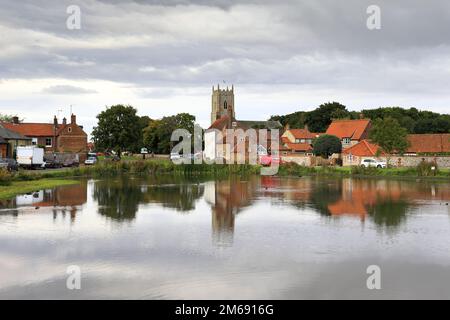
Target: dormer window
346	141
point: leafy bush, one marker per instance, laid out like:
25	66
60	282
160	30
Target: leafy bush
427	169
5	177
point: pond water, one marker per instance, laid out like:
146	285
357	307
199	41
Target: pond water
253	238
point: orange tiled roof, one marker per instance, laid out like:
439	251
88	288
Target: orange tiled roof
220	123
299	146
429	143
302	134
353	129
32	129
364	148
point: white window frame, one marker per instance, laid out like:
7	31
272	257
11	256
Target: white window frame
51	143
34	141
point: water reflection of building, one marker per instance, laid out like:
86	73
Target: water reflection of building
63	200
227	198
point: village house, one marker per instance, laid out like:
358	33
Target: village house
53	137
422	147
350	132
9	141
298	141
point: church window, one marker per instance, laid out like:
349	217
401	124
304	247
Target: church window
225	106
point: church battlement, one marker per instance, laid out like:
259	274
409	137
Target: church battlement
222	103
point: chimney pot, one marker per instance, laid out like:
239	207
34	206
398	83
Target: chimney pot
64	121
15	120
73	119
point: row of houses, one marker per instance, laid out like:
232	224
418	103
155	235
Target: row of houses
297	144
54	137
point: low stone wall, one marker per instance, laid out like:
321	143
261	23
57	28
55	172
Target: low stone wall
396	161
442	162
299	159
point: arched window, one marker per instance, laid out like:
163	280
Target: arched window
225	106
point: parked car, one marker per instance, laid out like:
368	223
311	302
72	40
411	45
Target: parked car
373	163
9	164
267	160
175	156
90	161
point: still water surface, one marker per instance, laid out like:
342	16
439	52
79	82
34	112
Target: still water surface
254	238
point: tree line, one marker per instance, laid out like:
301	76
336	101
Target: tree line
412	119
119	129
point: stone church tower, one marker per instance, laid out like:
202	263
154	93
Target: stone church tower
222	103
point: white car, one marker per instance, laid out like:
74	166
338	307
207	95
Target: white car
90	161
175	156
373	163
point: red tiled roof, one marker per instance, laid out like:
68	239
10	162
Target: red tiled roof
363	148
302	134
31	129
353	129
299	146
220	123
284	140
429	143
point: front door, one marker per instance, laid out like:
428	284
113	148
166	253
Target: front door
3	150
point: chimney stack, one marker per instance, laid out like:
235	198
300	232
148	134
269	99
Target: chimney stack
55	121
15	120
64	121
73	119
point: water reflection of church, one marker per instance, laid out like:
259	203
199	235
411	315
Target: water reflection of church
227	198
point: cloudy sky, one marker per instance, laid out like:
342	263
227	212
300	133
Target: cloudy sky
164	56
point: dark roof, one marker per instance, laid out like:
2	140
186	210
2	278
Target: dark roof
223	122
7	134
248	124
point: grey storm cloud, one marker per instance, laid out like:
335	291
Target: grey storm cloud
195	43
67	90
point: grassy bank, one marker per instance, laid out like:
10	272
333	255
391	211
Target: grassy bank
21	187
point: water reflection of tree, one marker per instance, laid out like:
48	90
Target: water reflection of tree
324	194
119	199
181	197
389	212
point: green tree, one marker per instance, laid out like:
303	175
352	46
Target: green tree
158	133
326	145
389	135
319	119
118	129
6	117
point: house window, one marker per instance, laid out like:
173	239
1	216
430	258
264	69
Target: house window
34	141
48	142
346	141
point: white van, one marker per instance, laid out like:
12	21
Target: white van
30	157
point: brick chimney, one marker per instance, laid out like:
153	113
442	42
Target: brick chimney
15	120
55	121
64	121
73	119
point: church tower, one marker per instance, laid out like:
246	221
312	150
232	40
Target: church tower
222	103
